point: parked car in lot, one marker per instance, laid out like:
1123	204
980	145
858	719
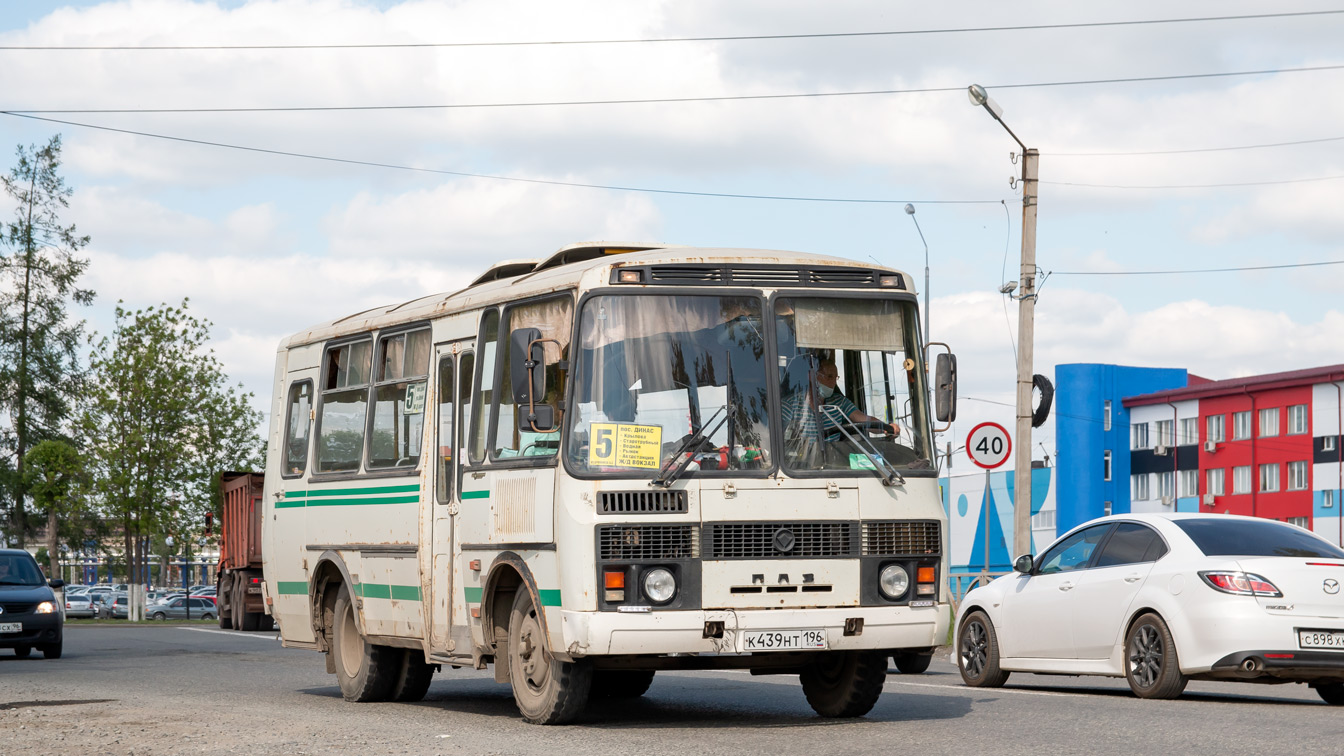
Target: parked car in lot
79	605
199	608
29	615
1162	599
119	607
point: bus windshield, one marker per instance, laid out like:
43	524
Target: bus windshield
851	383
653	371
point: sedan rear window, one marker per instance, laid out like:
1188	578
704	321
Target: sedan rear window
1219	537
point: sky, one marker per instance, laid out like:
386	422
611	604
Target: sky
264	244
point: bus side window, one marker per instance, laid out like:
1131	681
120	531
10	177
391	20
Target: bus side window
446	438
485	383
553	317
296	428
465	371
345	398
399	400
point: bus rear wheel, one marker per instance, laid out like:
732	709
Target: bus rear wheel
365	672
547	691
845	683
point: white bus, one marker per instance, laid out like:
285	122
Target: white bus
616	460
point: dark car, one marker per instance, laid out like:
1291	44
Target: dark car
29	615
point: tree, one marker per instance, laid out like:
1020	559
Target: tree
39	274
161	422
54	478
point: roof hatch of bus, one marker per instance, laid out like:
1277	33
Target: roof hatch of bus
505	269
590	251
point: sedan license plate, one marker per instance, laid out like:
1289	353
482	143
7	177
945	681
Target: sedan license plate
1320	639
11	627
784	640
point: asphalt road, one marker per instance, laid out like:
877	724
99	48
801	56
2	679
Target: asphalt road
177	690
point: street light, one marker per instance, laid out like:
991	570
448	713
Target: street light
910	211
1026	317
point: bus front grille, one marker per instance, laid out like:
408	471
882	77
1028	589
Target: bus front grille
630	543
781	540
901	538
641	502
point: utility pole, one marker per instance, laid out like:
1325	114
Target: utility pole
1026	330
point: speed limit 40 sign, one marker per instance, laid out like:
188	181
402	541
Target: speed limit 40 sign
988	445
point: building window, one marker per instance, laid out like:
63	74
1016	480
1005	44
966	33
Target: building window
1327	499
1269	422
1301	522
1106	465
1043	519
1166	485
1297	419
1241	425
1213	482
1166	435
1241	479
1188	432
1215	423
1328	443
1139	487
1269	477
1138	436
1189	483
1106	416
1297	476
1105	508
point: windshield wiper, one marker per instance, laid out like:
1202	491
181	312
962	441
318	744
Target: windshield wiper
675	466
881	467
19	582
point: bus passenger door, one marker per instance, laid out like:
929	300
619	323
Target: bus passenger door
453	372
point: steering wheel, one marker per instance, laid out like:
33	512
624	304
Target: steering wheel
861	425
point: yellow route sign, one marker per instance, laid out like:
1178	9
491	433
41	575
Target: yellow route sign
625	445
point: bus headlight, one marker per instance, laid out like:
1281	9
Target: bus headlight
659	585
894	581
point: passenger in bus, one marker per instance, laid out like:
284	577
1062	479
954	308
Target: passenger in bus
801	420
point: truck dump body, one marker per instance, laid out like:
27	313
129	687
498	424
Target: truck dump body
240	521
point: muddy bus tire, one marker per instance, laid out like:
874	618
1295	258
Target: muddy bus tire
413	677
547	691
620	683
365	672
845	683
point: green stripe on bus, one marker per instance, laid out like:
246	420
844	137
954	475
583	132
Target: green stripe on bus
406	592
298	588
476	494
295	494
473	595
289	504
367	491
385	591
549	598
363	500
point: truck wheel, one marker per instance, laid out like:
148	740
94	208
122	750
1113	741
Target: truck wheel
413	677
620	683
547	691
225	621
365	672
845	683
236	607
251	621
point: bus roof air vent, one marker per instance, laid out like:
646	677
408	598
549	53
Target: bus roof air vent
505	269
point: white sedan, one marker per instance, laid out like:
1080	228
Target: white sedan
1164	599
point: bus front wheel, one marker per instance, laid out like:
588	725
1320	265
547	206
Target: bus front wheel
845	683
547	691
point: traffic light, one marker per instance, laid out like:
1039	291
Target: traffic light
209	522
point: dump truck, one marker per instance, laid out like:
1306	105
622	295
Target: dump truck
238	580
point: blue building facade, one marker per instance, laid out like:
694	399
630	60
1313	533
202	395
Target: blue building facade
1087	397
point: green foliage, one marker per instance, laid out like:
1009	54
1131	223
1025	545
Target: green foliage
161	422
55	477
39	273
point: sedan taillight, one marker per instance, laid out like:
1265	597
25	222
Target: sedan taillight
1240	583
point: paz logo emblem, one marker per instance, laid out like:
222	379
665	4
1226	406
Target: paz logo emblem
784	540
1330	586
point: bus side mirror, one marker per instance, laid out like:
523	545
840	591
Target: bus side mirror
527	374
945	388
1024	564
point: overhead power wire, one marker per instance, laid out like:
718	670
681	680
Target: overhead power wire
664	100
518	179
1322	140
717	38
1193	270
1230	184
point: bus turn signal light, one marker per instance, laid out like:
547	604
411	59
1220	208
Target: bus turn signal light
926	575
614	582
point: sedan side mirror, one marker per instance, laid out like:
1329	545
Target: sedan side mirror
56	583
1024	564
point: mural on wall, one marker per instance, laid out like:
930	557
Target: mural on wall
968	500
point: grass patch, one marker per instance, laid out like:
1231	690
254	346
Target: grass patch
127	623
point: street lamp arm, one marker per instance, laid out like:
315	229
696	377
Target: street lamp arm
1005	127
